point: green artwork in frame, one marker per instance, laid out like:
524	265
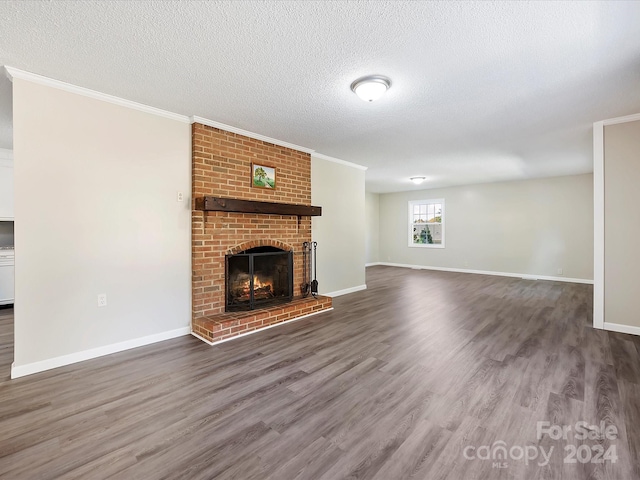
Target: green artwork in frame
263	176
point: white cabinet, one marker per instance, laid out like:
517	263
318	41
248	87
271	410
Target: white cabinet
6	284
6	185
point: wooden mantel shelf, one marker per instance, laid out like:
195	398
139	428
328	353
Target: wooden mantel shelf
218	204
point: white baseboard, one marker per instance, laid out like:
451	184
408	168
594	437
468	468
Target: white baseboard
616	327
41	366
259	329
372	264
345	291
526	276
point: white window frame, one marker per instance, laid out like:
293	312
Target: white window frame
411	224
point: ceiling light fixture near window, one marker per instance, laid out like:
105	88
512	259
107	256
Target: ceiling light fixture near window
418	180
371	88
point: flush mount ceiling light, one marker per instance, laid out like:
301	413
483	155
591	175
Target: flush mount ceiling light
418	180
371	88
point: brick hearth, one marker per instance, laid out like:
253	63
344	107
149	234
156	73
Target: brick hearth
231	324
222	168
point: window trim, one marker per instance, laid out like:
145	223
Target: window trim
411	224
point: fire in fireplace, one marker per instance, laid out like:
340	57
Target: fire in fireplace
258	277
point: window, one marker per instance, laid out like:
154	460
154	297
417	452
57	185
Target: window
426	223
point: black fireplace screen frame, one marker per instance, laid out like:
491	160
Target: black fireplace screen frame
253	303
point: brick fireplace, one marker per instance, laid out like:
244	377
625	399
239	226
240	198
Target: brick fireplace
221	167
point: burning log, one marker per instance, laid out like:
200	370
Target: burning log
263	292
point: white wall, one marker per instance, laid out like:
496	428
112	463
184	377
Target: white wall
372	220
532	227
622	228
96	212
340	231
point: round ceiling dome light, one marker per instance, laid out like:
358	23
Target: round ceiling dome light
418	180
371	88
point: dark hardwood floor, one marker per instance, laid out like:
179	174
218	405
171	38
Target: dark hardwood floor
396	383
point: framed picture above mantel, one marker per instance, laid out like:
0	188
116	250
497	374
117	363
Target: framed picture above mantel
263	176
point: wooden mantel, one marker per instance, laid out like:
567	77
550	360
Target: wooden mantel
218	204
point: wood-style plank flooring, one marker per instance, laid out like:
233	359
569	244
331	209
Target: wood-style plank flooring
395	383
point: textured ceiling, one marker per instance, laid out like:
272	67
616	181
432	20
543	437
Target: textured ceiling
481	91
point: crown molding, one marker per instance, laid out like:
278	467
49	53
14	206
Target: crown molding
12	73
629	118
246	133
337	160
275	141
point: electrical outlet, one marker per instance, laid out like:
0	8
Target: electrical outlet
180	197
559	271
102	300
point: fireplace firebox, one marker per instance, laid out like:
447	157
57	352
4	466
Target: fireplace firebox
257	278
